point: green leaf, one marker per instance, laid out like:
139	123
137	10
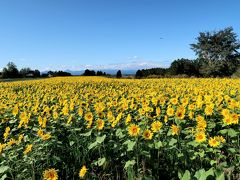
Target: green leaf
232	133
186	175
172	142
211	125
179	175
3	169
201	154
232	150
87	133
101	161
220	176
193	143
129	163
180	155
224	131
119	133
158	144
145	154
212	162
210	172
199	173
3	177
92	145
71	143
130	145
101	139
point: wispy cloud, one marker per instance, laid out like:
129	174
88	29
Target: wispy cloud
132	65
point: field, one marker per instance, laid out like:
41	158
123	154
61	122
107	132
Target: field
102	128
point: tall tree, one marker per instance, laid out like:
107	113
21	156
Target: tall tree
119	74
139	74
217	52
24	71
184	66
10	71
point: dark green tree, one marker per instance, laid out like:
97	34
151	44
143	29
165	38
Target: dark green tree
217	52
37	73
99	73
10	71
24	71
119	74
88	72
184	66
138	74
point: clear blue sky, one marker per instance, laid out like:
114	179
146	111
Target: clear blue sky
72	33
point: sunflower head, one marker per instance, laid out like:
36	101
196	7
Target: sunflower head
147	134
200	137
83	171
133	130
50	174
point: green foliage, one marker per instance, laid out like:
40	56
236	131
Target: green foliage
119	74
148	72
217	52
10	71
184	66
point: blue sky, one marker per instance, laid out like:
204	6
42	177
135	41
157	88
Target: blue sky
75	34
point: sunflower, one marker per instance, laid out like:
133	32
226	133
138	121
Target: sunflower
174	101
227	120
208	110
170	112
88	116
55	115
15	110
46	136
213	142
156	126
175	129
200	137
234	118
190	115
100	124
6	133
128	119
147	134
50	174
220	139
82	171
40	132
225	112
158	111
100	114
28	149
133	130
80	111
179	114
191	106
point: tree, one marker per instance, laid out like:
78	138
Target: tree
217	52
184	66
88	72
37	73
24	71
119	74
10	71
138	74
99	73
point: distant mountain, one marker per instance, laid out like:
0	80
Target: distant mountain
107	71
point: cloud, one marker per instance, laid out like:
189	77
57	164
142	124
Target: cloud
132	65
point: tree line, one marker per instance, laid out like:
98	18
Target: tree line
217	56
11	71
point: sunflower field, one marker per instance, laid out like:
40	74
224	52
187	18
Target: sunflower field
103	128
